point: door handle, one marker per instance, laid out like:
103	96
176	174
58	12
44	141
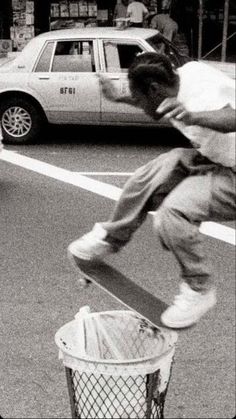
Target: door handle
44	78
114	78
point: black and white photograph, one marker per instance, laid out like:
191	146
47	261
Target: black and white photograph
118	204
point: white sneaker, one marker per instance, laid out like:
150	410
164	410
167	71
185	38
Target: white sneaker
188	307
92	245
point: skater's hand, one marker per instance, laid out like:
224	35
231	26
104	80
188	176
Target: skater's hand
172	109
108	88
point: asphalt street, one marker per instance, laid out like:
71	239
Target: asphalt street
39	216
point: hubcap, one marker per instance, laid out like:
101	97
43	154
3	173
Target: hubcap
16	121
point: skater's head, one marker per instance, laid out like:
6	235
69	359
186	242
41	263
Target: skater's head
152	79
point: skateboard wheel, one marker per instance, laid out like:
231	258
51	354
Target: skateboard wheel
83	283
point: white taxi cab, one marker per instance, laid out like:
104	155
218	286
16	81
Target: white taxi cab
54	79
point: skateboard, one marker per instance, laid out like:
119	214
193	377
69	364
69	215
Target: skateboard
122	288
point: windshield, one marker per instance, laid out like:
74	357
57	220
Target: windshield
163	46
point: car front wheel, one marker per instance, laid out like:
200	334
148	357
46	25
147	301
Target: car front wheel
21	121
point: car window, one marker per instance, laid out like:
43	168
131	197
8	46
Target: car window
163	46
43	64
74	56
119	57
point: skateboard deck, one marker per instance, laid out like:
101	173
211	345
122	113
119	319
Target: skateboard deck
122	288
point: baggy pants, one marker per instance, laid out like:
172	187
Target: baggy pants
183	188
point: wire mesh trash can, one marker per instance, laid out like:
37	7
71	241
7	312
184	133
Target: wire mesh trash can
117	365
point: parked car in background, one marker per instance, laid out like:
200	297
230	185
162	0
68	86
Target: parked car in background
54	79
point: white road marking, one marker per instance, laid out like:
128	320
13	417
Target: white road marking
215	230
219	231
91	185
104	173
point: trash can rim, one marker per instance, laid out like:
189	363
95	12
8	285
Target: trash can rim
172	334
114	362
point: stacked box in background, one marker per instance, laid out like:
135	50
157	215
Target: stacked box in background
74	9
83	8
92	9
64	8
29	20
22	29
73	13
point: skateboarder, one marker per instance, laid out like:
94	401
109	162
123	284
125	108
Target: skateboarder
184	186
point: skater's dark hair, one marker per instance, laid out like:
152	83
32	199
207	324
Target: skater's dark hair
151	67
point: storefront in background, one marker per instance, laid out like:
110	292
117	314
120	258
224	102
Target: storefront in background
22	28
21	20
79	13
28	18
82	13
32	17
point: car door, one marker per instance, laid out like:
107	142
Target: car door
65	78
116	57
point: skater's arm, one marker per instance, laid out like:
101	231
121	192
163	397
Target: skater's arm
129	100
112	94
223	120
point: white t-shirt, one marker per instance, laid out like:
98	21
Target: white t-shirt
203	88
136	11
